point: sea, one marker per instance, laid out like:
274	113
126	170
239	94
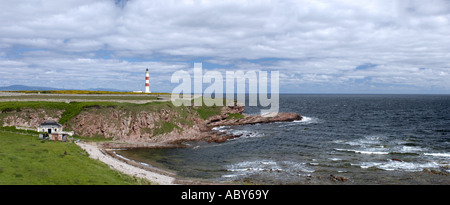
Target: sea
342	139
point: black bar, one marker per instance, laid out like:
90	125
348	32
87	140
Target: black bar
227	193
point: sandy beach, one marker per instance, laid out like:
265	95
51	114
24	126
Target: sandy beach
96	153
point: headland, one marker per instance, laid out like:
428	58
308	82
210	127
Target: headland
115	124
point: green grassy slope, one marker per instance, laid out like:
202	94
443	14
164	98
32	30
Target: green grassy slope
26	160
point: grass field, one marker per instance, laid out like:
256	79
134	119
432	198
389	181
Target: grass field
83	92
27	160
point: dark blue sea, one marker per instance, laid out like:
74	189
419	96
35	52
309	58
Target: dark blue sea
342	139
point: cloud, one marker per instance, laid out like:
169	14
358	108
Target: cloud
316	44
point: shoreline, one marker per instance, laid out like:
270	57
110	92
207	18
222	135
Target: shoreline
95	152
107	155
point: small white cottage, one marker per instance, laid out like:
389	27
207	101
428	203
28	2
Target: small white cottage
53	131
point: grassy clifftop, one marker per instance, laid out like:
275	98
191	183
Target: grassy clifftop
69	109
107	119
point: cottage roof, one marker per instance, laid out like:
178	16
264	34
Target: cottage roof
50	123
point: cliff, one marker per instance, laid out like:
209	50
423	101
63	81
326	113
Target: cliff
158	122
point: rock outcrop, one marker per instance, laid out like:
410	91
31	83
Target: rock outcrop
252	119
224	119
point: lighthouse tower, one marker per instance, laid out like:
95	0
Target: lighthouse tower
147	82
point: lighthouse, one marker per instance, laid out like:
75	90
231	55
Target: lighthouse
147	82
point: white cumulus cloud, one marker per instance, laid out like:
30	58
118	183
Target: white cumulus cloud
322	46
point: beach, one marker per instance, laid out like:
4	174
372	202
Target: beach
96	153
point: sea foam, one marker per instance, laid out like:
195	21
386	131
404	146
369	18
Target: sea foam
392	165
438	154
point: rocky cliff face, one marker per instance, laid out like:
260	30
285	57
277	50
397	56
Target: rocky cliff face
28	117
163	125
159	123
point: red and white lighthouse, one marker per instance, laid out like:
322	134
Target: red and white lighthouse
147	82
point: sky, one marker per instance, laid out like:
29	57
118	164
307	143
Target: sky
330	46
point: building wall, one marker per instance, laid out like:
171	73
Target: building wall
45	129
58	137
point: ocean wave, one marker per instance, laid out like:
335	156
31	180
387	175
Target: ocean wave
362	151
391	151
406	150
296	167
366	141
120	156
438	154
304	121
392	165
242	133
246	168
221	128
247	134
409	149
307	120
382	145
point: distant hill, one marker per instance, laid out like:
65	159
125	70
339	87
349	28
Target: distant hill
25	87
